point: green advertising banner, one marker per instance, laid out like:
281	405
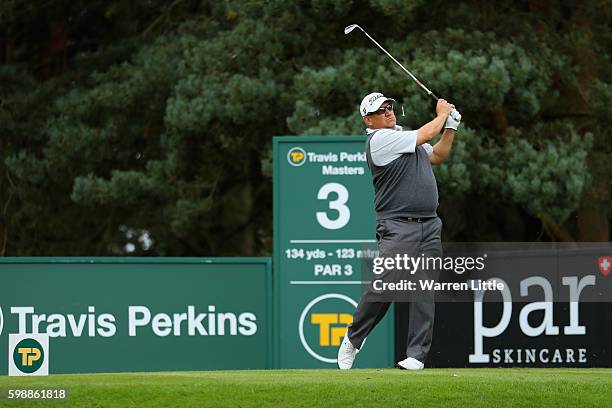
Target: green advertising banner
140	314
324	223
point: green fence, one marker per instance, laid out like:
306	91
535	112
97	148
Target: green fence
141	314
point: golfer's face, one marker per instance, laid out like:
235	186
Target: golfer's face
384	117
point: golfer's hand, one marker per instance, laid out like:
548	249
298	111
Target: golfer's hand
453	120
443	108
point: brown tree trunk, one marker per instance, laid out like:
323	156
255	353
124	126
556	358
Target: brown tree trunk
593	219
7	50
57	49
247	236
593	223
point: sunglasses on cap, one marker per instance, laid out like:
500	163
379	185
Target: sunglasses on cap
379	111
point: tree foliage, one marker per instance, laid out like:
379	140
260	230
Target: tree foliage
145	127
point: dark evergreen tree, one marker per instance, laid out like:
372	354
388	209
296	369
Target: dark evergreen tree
144	127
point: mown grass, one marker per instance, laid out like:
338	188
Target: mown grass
505	387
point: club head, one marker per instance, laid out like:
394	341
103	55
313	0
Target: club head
350	28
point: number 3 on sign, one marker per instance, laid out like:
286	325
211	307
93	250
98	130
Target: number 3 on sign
339	204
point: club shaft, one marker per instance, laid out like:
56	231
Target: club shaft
398	63
454	114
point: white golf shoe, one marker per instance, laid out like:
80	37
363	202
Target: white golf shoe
346	354
410	364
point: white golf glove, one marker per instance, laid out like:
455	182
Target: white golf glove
453	120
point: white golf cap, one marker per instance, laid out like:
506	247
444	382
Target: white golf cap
372	102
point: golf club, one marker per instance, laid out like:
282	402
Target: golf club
454	113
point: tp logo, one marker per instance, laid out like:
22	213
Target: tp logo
28	354
296	156
323	324
329	335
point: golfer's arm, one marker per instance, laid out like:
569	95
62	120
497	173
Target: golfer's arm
443	147
430	130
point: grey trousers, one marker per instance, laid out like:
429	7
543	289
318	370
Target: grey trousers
414	239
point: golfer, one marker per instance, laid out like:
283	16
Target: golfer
406	200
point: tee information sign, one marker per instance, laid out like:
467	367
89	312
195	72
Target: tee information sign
324	226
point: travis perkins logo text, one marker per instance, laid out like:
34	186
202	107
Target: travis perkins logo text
139	318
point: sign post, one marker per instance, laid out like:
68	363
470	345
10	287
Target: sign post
324	224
